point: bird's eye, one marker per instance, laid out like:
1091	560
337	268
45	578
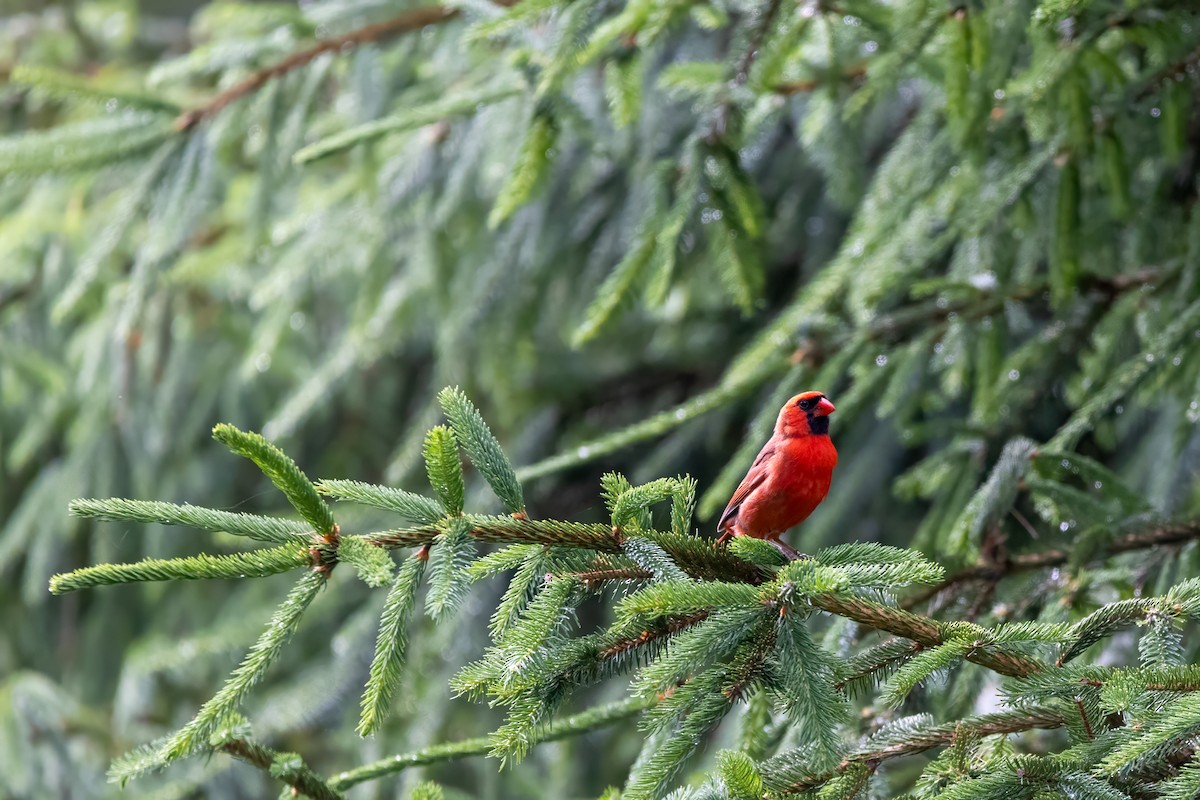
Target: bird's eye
807	403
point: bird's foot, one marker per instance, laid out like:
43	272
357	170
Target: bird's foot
788	552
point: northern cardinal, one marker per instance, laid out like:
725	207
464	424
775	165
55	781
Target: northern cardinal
789	478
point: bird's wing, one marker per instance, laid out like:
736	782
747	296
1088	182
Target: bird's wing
754	478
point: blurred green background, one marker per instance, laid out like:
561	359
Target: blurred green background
627	232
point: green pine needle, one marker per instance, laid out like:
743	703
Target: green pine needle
428	791
458	105
70	86
522	588
616	290
740	776
412	507
444	468
685	597
994	498
533	161
283	472
251	564
193	737
482	448
650	556
253	526
373	564
803	680
390	645
450	558
89	144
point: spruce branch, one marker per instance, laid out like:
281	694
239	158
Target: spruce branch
67	85
251	564
410	506
438	111
924	630
87	144
284	473
656	425
373	565
927	738
575	725
413	20
444	467
593	577
264	529
1126	376
449	580
721	122
483	448
507	530
1154	535
390	645
696	556
852	75
192	737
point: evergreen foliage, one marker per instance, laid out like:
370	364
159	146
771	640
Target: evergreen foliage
628	231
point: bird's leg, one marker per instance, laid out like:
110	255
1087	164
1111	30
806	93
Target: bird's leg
789	552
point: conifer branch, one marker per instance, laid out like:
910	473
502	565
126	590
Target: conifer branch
575	725
698	557
287	767
852	75
390	645
410	506
1002	723
624	574
284	473
253	526
251	564
720	127
920	629
258	660
662	630
1170	72
412	20
507	530
1160	534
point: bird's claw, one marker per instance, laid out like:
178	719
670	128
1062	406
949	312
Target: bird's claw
786	550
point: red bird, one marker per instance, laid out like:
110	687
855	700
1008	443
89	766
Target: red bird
789	478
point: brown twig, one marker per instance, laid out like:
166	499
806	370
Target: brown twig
413	20
627	574
851	75
1168	73
1087	724
670	628
720	126
696	561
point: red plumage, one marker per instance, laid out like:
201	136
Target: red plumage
789	478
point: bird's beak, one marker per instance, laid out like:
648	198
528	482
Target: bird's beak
824	408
